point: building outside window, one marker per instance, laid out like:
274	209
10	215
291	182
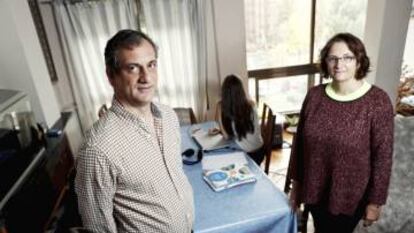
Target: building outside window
283	40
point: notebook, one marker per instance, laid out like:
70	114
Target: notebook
209	142
226	171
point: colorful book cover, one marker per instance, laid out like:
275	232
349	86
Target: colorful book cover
229	176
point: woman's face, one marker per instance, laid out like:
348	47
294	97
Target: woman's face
342	64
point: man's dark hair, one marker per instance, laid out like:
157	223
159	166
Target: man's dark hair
124	39
357	48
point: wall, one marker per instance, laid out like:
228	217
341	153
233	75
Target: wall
226	46
385	34
230	37
22	62
62	86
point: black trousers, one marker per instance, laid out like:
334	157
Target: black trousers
326	222
257	155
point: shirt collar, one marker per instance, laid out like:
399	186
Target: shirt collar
118	108
349	97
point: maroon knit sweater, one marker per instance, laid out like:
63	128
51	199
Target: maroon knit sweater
342	151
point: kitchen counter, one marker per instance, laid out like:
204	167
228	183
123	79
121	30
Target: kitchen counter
34	182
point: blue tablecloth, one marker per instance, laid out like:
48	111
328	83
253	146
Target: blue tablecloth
255	207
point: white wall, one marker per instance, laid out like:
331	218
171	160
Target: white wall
385	34
22	63
230	37
226	46
61	87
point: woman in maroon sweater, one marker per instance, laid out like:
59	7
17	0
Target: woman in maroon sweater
342	152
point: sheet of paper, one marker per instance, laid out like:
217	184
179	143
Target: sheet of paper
209	142
218	161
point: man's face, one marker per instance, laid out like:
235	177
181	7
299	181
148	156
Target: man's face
136	81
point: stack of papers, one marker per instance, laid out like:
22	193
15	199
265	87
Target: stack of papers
209	142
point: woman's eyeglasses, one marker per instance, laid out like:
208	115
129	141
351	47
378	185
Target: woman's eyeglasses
333	59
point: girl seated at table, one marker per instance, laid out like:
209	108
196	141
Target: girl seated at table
237	118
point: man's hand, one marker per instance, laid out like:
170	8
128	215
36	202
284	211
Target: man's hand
372	213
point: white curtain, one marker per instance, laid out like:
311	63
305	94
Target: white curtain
177	27
84	28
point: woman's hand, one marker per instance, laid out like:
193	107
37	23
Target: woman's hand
213	131
294	197
372	214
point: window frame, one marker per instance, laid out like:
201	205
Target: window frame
310	68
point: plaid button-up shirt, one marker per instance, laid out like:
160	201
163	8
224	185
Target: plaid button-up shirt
130	179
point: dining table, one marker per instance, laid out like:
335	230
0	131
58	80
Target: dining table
255	207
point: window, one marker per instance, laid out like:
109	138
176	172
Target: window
285	92
283	40
334	16
272	31
408	59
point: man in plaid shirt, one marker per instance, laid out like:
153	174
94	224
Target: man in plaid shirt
129	170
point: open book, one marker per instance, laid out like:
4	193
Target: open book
209	142
226	171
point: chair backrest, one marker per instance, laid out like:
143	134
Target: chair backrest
263	119
185	116
268	124
102	110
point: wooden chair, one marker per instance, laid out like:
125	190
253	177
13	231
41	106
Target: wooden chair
263	120
302	215
63	170
185	116
102	110
267	127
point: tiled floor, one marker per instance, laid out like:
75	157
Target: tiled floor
278	169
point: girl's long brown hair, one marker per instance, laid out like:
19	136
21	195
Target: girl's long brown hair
235	107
